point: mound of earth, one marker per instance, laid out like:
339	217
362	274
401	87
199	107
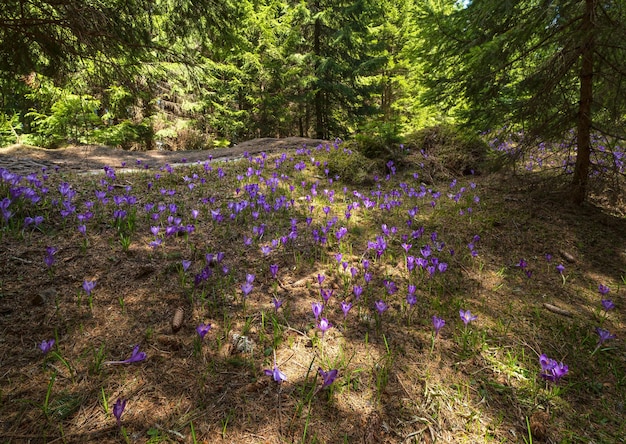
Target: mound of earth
25	159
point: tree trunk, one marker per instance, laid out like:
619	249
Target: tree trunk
318	99
583	138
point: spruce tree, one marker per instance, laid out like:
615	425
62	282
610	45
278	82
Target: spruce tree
544	66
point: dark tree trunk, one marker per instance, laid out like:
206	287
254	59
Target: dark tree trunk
318	99
581	170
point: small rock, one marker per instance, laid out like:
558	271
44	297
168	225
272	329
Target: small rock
43	296
242	344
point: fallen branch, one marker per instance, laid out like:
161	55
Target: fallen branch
557	310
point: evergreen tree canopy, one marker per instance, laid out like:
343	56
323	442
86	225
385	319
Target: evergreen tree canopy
48	36
547	66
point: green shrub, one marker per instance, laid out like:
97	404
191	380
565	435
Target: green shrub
72	118
123	134
350	165
457	151
9	126
380	141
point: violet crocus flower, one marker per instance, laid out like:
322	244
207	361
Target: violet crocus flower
603	289
326	294
46	346
186	264
49	258
88	286
246	289
276	374
317	308
560	268
327	377
411	299
466	316
274	270
608	304
203	329
381	306
277	303
604	335
118	409
358	291
320	278
324	325
345	307
438	324
136	356
552	370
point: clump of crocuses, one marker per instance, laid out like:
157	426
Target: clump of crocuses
551	370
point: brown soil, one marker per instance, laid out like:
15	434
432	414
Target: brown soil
26	159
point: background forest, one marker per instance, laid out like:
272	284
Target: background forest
194	74
187	75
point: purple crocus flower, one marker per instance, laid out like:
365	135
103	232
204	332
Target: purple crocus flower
358	291
320	278
367	277
551	370
390	286
438	324
411	299
326	294
246	289
608	304
603	289
46	346
186	264
604	335
203	329
324	325
118	409
136	356
466	316
274	270
49	258
277	303
560	268
88	286
345	307
381	306
276	374
317	308
327	377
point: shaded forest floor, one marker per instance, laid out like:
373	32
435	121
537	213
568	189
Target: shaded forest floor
150	244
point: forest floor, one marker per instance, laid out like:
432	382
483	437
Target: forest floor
533	269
